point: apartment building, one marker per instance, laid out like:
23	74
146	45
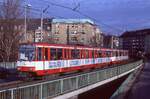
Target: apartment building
136	41
75	31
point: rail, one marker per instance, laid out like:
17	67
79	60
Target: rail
49	89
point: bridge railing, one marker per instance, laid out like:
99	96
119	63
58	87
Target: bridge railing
54	88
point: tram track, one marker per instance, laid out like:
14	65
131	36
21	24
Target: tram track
6	85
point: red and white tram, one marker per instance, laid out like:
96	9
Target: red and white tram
43	59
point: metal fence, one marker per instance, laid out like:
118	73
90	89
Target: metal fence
50	89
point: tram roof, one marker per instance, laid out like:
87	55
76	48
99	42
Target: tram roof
42	44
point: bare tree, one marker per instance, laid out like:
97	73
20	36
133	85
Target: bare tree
10	29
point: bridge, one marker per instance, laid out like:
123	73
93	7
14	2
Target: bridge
69	87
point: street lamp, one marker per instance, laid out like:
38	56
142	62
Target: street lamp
42	12
68	42
25	21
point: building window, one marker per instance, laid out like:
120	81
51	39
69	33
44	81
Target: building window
82	39
57	25
57	32
19	27
83	32
82	25
56	39
74	38
15	27
1	28
74	32
76	26
48	28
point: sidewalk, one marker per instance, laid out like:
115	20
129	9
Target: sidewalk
125	87
141	87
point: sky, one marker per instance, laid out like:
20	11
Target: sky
112	16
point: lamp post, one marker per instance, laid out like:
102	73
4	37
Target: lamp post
25	19
42	14
68	42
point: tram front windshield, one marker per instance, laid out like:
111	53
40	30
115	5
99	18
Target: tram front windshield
26	53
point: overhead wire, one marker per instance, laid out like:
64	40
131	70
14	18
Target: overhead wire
85	15
74	9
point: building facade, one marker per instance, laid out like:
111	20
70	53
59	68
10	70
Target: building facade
111	41
75	31
147	44
34	30
137	42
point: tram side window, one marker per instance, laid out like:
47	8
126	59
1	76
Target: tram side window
53	54
116	53
46	53
96	55
86	54
75	54
99	54
113	54
103	53
123	53
120	53
107	54
59	54
83	54
92	53
39	54
126	54
65	54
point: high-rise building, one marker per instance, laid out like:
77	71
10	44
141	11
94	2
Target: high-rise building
75	31
136	41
